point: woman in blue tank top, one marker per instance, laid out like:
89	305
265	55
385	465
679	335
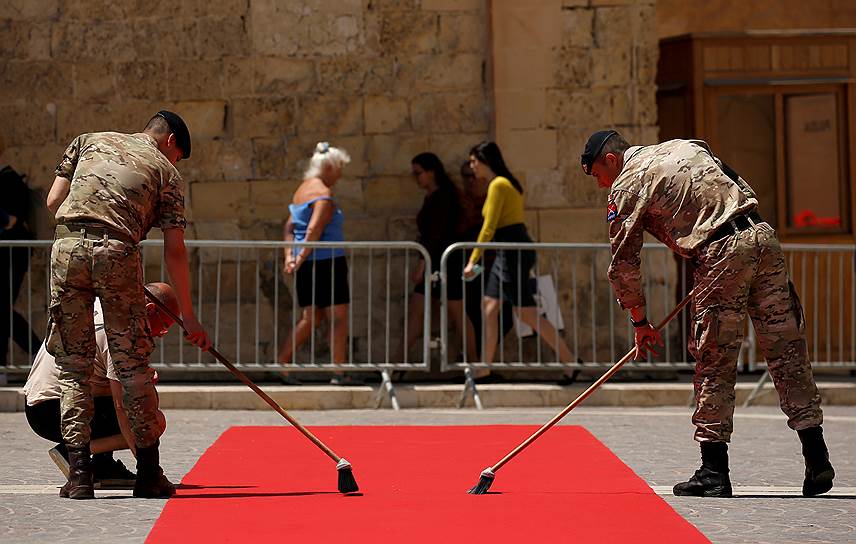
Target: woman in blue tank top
322	273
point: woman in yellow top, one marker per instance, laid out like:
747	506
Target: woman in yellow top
509	275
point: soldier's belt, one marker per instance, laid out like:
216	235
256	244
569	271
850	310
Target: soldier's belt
735	225
92	232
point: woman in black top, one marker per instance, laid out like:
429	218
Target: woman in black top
438	222
15	208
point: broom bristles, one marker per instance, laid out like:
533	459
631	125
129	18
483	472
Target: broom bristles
347	482
484	483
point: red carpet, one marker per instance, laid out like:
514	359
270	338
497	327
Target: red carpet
258	484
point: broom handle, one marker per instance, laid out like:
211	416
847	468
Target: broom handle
249	383
585	394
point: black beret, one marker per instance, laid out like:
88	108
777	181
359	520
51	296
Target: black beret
594	146
179	128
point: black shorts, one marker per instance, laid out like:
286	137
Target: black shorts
330	279
454	281
44	419
509	276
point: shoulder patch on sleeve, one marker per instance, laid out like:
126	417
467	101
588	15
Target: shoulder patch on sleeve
611	212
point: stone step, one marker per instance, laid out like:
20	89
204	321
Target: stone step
330	397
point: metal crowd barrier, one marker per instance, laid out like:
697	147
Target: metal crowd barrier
825	279
597	331
24	297
574	296
249	305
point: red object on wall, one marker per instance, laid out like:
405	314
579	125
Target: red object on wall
807	218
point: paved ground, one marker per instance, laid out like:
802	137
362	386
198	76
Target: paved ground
656	443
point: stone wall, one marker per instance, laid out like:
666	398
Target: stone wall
562	70
261	81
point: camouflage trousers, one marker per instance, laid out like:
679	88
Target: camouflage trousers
82	268
746	272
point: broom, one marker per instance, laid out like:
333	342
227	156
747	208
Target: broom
487	476
347	483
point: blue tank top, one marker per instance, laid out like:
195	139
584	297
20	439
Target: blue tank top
333	232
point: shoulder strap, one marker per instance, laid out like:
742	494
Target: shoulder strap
741	183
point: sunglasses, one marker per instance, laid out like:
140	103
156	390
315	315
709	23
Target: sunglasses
587	165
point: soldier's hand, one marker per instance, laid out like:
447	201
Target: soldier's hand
196	334
646	339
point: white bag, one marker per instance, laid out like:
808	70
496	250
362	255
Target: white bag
548	307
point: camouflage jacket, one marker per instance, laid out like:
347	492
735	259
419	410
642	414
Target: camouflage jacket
678	192
122	181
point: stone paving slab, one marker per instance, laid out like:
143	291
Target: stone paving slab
748	491
654	442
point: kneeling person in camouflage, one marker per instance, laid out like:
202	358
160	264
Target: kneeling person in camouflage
110	190
695	204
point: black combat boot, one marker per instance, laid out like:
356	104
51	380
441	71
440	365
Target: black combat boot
79	485
818	470
711	480
151	483
110	473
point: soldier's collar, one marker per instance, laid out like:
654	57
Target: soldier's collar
629	153
148	137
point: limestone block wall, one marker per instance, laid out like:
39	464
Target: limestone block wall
261	81
563	69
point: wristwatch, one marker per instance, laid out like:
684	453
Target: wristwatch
641	323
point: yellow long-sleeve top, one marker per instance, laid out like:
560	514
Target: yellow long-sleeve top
502	207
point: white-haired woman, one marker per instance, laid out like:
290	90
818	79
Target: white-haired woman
322	273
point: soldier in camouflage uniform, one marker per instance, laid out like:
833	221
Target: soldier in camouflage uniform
695	204
110	190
